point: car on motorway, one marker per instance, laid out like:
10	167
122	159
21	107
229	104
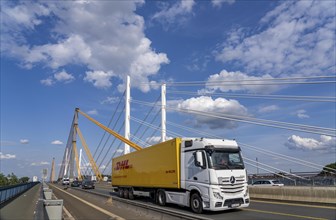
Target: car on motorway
76	183
267	183
88	184
65	181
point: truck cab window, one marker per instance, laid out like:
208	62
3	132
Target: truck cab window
222	160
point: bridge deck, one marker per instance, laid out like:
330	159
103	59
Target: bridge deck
27	206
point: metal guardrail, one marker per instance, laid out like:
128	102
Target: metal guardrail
9	192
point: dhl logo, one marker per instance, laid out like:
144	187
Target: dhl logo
122	165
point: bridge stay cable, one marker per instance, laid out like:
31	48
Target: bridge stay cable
108	125
110	147
259	150
108	138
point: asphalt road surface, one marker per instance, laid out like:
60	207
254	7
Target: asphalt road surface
258	209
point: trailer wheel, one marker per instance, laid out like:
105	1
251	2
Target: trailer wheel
121	192
161	197
196	203
130	194
126	191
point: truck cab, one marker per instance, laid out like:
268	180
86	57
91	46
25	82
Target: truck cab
213	172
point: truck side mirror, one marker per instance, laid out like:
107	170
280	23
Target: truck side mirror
198	155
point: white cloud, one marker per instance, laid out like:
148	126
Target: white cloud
42	163
7	156
57	142
219	3
237	81
24	141
155	140
99	79
267	109
110	100
302	114
296	38
47	82
63	76
326	143
174	14
219	106
114	43
93	112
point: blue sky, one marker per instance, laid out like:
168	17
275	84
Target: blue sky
59	55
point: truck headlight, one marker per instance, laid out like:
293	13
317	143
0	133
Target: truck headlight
217	195
246	191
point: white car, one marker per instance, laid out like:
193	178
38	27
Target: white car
65	181
267	183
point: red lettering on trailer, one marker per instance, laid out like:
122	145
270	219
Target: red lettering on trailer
122	165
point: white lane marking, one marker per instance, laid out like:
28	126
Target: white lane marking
92	205
65	210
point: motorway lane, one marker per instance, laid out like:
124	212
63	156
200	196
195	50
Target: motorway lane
80	210
259	210
77	208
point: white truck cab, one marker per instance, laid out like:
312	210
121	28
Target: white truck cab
213	175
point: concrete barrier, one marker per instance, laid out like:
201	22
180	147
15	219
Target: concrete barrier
295	193
47	193
54	208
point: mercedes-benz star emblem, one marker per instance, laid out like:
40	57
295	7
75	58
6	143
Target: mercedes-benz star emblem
232	179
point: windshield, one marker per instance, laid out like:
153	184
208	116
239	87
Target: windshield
224	160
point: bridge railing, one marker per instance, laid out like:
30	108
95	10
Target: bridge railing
9	192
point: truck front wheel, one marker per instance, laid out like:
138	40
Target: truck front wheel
196	203
161	197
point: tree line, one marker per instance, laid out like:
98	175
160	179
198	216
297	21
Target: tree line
12	179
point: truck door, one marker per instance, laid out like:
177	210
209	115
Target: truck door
197	172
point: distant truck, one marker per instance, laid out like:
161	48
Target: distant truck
203	174
35	179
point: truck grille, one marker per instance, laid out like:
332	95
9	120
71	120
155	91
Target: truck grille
228	187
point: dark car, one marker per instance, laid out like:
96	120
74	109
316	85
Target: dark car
75	183
88	184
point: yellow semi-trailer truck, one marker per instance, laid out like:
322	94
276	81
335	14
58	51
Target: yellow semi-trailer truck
205	174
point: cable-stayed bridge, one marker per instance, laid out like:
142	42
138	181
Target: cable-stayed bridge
302	197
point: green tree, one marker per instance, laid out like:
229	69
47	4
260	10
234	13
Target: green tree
3	180
24	179
328	169
12	179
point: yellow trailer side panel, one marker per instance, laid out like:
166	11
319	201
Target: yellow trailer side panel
154	166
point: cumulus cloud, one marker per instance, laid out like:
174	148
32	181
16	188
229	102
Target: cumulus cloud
99	79
326	143
302	114
92	112
296	38
237	81
156	139
174	14
42	163
24	141
57	142
267	109
62	77
110	100
7	156
219	106
219	3
47	82
118	46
